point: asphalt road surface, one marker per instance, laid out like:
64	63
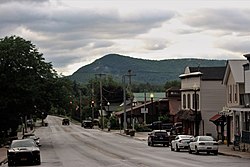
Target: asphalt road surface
74	146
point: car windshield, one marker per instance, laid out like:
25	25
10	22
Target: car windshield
22	143
206	138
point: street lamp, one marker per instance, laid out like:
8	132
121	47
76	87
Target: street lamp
92	107
152	101
196	88
108	117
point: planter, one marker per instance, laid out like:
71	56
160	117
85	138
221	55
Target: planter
132	133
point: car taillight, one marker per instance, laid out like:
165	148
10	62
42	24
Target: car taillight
201	143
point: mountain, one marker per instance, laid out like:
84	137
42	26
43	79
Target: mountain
146	71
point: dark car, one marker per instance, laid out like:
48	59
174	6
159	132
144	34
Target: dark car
158	137
65	121
32	136
23	151
87	124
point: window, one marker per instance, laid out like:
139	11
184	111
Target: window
188	101
197	100
184	101
230	94
236	94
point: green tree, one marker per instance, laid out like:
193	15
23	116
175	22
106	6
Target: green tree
174	83
26	81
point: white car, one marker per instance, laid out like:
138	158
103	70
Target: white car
203	144
181	142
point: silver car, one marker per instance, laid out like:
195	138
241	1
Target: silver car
181	142
203	144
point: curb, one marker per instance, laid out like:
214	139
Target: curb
4	161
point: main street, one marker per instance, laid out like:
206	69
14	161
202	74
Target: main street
74	146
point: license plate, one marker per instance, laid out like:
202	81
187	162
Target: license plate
161	137
23	159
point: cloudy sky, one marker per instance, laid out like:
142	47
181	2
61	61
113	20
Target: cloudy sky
74	33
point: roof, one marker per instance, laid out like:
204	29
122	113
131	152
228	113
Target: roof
140	97
209	73
216	117
236	68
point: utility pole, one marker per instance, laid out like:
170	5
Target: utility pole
124	99
102	119
80	93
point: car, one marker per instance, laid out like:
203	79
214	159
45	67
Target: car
158	137
87	124
65	121
180	142
23	151
203	144
32	136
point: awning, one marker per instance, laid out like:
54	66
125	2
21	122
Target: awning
215	118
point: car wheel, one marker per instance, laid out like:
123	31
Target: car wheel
148	144
176	148
189	150
208	152
10	163
196	151
172	149
216	152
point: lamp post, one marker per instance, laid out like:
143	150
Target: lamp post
92	107
152	103
108	104
124	104
195	88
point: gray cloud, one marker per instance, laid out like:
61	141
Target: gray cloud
220	19
236	45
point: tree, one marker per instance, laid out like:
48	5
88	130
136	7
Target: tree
26	81
174	83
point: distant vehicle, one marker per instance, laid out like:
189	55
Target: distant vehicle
32	136
65	121
158	137
181	142
203	144
23	151
87	124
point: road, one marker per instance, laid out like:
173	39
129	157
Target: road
74	146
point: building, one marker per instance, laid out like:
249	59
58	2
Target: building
235	88
202	96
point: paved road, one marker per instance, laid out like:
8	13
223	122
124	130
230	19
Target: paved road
74	146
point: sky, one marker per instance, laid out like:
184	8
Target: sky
74	33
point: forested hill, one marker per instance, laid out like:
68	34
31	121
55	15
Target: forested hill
146	71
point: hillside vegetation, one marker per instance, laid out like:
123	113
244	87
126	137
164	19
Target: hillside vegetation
155	72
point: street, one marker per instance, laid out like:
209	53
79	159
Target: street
74	146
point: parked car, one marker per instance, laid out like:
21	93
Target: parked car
32	136
158	137
65	121
203	144
23	151
87	124
180	142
